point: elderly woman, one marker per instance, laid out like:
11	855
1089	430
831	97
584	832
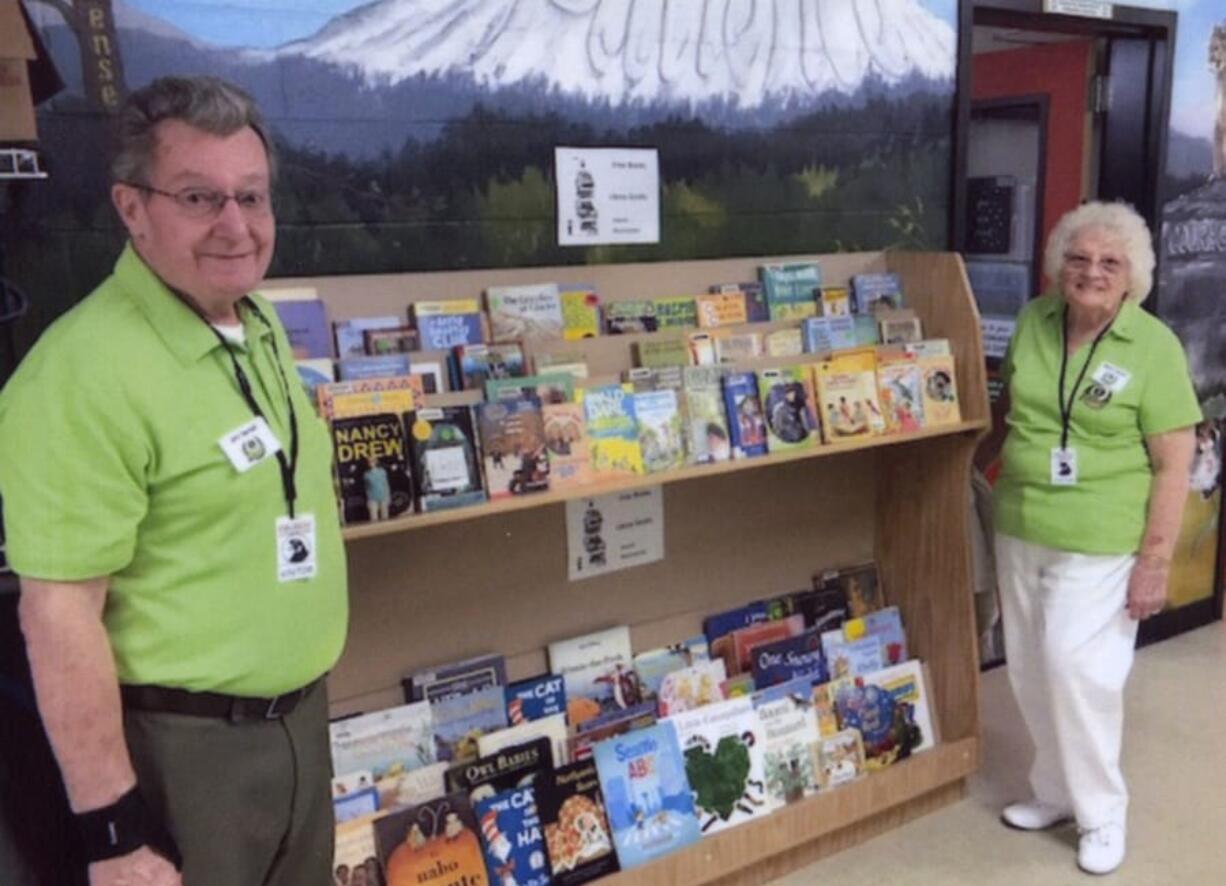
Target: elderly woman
1087	510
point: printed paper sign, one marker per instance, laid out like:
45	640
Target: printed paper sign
607	195
996	334
605	533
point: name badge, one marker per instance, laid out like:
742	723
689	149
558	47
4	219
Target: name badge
1063	467
296	548
1111	377
249	444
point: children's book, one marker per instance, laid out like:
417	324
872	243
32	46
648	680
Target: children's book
661	438
355	804
554	387
840	757
306	327
691	687
847	391
887	726
675	311
940	390
459	720
355	851
543	360
380	366
721	309
529	312
612	430
718	627
865	330
513	445
655	378
823	609
445	451
535	698
701	347
723	745
392	340
578	839
477	363
706	418
735	687
897	327
851	658
347	334
646	794
552	727
608	725
906	685
415	786
823	705
385	744
783	343
424	843
787	401
873	291
900	392
746	425
885	625
860	585
746	638
455	678
790	736
396	395
432	368
629	315
756	309
737	347
511	838
791	289
654	664
665	352
566	445
599	672
372	464
312	374
580	312
783	660
514	767
835	301
821	335
442	325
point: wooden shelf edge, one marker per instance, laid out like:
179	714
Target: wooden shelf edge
743	847
544	499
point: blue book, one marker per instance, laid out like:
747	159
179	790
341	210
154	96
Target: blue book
441	325
382	366
786	659
535	698
819	335
355	804
723	623
791	290
348	337
511	838
647	796
886	626
868	291
306	326
746	423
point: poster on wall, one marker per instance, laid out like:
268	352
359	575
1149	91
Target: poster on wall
607	195
605	533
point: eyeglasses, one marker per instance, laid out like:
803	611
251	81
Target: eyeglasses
208	202
1078	261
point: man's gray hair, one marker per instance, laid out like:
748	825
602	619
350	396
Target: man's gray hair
209	104
1122	222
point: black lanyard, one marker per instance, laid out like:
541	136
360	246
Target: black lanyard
288	465
1066	412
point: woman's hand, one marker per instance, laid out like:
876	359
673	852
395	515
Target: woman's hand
1147	586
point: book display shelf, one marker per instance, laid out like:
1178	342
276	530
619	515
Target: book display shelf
439	587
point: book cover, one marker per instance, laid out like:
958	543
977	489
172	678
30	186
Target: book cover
746	425
735	687
756	309
432	368
885	625
511	838
737	347
823	705
783	660
347	334
396	395
906	685
598	671
721	309
312	374
415	786
612	430
513	444
578	840
629	316
847	390
653	664
841	757
940	390
647	797
701	348
720	625
675	311
746	638
442	325
900	392
783	343
566	445
355	804
872	291
528	312
384	743
723	746
306	327
663	352
790	736
443	441
392	340
434	842
552	728
354	851
607	726
661	440
886	726
692	687
791	289
898	326
580	313
456	678
535	698
459	720
864	328
851	658
514	767
707	438
367	366
823	609
553	387
477	363
821	335
787	400
835	301
860	585
372	466
655	378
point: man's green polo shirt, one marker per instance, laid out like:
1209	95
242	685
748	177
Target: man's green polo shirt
1105	512
110	465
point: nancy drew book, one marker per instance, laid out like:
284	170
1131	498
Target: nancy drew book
566	445
847	392
612	430
372	467
578	840
598	671
442	325
511	837
525	313
445	451
787	401
513	443
436	842
746	425
660	430
647	797
791	290
723	748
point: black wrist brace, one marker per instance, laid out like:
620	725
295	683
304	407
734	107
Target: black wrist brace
123	827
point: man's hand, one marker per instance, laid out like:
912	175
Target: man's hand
144	867
1147	587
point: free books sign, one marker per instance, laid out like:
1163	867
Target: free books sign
605	533
607	195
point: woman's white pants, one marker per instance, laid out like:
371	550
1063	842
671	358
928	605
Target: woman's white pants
1070	642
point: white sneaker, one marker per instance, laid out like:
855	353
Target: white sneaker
1034	815
1101	850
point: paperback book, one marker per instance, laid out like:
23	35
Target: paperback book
654	664
900	326
835	301
783	343
940	390
306	327
386	744
629	315
552	728
528	312
445	451
478	363
392	340
661	440
442	325
860	586
513	444
756	309
847	390
372	464
886	626
721	309
746	425
841	757
737	347
347	334
745	639
790	741
821	335
566	445
873	291
607	726
791	289
668	352
578	840
580	313
675	312
354	850
706	421
312	374
612	430
552	387
459	720
900	391
455	678
691	687
787	400
382	366
701	348
851	658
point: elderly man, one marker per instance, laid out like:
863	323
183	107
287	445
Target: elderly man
170	512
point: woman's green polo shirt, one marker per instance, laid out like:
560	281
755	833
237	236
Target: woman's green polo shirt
110	465
1105	512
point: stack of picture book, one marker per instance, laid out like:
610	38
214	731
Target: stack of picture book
616	757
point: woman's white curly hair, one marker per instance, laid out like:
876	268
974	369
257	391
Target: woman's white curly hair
1119	220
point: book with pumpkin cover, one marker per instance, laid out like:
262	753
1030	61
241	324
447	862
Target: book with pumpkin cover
578	839
513	445
446	462
847	393
566	445
511	837
527	312
434	842
580	312
787	400
723	747
900	390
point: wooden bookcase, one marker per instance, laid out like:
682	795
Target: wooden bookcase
432	588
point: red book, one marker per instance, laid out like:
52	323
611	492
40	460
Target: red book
746	638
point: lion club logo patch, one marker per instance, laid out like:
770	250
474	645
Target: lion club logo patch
253	449
1096	396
